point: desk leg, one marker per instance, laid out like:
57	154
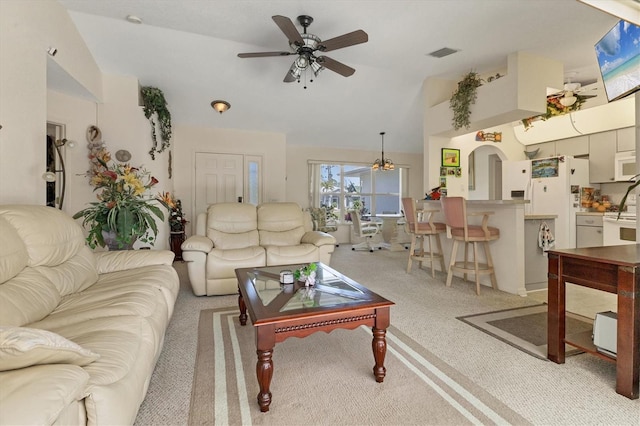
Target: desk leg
556	312
628	356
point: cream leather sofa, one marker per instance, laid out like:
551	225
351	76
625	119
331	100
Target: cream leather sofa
80	332
235	235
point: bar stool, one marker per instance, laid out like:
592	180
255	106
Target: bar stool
421	230
455	213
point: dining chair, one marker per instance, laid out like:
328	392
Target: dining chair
455	213
366	230
420	225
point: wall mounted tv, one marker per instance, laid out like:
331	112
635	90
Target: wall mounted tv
618	54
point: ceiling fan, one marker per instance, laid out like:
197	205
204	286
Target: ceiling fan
307	45
567	96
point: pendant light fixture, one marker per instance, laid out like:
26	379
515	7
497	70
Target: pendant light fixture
383	163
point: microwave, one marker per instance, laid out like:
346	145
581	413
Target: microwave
625	166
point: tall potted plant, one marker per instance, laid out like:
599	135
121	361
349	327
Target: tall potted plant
123	212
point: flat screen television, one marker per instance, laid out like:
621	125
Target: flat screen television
618	53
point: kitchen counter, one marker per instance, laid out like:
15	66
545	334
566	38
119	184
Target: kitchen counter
590	213
540	216
508	252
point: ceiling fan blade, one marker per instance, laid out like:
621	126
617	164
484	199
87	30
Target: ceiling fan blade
335	66
262	54
345	40
287	27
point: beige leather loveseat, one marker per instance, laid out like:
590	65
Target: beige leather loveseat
234	235
80	332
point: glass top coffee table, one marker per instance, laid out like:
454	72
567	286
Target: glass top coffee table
281	311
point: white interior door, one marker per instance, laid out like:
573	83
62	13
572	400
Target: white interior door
219	179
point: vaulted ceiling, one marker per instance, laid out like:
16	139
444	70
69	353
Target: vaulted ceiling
189	48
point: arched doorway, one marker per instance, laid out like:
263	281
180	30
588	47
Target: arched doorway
485	173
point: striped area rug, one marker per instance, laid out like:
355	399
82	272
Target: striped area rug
328	379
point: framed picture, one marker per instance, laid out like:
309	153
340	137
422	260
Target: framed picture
450	157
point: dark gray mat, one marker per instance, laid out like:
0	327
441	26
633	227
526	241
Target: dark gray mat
526	328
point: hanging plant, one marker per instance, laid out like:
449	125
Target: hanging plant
462	99
155	108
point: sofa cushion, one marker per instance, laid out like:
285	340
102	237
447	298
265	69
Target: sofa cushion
13	253
280	224
50	235
41	394
22	347
232	225
74	275
285	255
26	298
223	263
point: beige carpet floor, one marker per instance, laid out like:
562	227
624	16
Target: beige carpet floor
312	374
579	392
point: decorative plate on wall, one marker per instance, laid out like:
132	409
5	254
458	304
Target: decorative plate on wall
123	155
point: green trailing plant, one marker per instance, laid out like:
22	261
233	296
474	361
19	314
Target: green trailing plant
462	99
155	108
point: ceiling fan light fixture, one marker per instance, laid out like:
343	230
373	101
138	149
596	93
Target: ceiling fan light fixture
220	106
568	99
316	68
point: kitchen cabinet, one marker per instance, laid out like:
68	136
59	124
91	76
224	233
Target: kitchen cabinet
578	146
626	139
602	150
588	230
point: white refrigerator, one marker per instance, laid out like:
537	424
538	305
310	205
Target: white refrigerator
552	186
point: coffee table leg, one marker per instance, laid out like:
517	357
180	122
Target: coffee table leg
264	371
243	309
379	345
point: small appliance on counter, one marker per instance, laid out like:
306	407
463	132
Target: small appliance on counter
605	333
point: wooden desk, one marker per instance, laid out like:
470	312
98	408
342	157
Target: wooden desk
615	269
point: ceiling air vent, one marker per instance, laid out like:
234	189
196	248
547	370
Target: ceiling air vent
441	53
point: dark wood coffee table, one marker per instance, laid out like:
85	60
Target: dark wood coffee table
279	312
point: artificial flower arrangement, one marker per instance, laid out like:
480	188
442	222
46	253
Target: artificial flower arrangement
306	273
174	207
554	109
123	208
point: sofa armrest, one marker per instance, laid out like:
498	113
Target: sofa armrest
113	261
37	395
318	238
197	243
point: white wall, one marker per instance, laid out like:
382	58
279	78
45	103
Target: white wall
188	140
27	30
297	167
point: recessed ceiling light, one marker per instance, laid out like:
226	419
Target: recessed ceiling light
134	19
441	53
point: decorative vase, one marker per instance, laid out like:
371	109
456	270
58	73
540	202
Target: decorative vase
175	242
112	244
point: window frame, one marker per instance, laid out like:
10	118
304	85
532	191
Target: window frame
316	194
